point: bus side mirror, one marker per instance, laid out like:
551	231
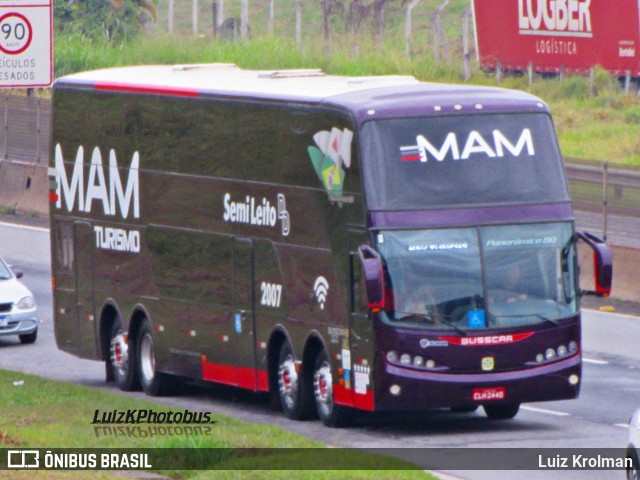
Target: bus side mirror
373	277
602	264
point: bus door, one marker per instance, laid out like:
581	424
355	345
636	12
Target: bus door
244	311
84	240
360	329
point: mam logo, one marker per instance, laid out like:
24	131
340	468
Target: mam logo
570	18
333	151
103	185
475	144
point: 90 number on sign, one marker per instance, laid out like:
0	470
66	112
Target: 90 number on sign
15	33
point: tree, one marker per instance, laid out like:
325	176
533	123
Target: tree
113	21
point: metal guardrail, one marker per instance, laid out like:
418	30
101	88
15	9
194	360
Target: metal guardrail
606	200
603	175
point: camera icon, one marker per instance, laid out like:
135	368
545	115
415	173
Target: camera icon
23	459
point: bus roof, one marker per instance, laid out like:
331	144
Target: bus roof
377	96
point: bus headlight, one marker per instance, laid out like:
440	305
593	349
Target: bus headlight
561	351
408	360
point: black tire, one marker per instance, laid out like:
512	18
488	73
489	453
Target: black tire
153	383
27	338
504	411
123	359
633	472
464	409
330	414
293	387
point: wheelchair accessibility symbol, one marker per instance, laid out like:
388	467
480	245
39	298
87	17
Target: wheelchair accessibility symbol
475	319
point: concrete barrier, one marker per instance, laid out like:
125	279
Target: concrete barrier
626	262
24	188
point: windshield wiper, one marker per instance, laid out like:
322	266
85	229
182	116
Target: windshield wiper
434	319
431	318
453	325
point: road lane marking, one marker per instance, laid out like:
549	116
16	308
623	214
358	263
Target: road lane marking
594	361
621	425
545	411
444	475
25	227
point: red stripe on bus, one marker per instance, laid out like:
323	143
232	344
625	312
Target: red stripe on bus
343	396
126	87
242	377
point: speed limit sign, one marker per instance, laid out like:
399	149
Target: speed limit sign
26	47
15	33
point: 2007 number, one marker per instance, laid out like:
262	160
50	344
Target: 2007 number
271	294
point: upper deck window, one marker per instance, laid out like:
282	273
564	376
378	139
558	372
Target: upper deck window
457	161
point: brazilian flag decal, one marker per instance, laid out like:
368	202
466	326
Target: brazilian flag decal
330	156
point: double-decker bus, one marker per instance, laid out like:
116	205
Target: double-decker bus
344	244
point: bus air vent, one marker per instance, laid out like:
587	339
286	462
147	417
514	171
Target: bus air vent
292	73
202	66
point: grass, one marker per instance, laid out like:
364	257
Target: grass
39	413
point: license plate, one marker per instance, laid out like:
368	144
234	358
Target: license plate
489	394
4	321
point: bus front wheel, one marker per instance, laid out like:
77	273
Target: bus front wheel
330	414
292	387
501	412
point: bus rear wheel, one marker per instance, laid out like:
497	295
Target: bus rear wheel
503	411
122	358
330	414
292	387
153	383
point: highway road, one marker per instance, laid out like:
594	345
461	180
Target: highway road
598	419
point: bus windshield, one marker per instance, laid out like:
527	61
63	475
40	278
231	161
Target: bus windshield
480	277
461	160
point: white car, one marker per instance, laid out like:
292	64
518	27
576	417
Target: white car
17	306
633	446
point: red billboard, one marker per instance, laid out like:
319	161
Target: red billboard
559	35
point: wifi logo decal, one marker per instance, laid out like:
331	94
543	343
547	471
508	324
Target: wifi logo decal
320	290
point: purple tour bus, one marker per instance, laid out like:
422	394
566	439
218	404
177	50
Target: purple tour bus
344	244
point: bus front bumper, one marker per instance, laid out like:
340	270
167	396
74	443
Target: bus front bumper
409	389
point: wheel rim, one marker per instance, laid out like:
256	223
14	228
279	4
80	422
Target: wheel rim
147	358
288	382
120	354
323	389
